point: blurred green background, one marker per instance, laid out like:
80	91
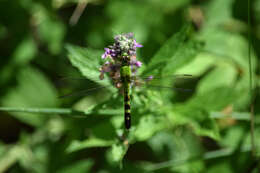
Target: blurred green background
206	131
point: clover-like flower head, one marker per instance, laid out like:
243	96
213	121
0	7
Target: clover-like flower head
122	52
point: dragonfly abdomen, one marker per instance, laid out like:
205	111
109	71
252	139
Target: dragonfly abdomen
125	73
127	109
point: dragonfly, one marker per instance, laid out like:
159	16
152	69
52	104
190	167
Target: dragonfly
128	83
121	68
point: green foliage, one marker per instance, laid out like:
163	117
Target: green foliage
80	166
176	52
31	82
92	142
206	130
87	61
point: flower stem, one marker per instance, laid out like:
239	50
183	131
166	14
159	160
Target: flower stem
63	111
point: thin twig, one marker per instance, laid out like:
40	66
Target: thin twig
78	12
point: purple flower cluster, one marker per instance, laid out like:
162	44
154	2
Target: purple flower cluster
125	45
122	52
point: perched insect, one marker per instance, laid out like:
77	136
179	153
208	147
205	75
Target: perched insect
121	65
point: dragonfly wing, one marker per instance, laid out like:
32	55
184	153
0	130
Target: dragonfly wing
64	81
157	87
175	76
179	82
84	92
80	86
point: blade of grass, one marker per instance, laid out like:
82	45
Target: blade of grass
75	113
252	124
234	115
62	111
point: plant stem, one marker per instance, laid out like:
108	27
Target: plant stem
63	111
67	111
234	115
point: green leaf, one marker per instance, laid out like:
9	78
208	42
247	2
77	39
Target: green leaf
117	153
101	135
234	49
10	157
87	61
196	166
88	143
51	30
147	126
178	145
31	87
160	141
196	111
25	51
225	74
137	18
199	65
242	90
80	166
175	53
247	140
195	116
215	99
220	167
232	137
216	17
174	145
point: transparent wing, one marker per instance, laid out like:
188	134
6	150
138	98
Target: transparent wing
80	86
175	76
83	92
178	82
64	81
84	87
